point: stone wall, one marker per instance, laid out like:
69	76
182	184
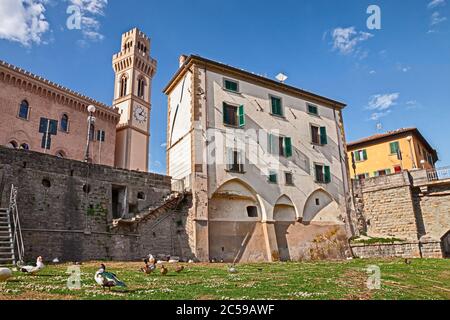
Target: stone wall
405	206
399	250
67	209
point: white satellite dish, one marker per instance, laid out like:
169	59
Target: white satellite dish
281	77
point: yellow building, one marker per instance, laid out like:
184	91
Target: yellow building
389	153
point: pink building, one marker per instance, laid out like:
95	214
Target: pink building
42	116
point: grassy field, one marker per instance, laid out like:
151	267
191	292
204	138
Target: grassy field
423	279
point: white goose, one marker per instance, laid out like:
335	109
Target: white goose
33	269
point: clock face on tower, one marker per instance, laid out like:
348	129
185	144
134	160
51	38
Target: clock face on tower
140	114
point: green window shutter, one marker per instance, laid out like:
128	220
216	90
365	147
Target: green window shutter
231	85
394	147
288	147
313	110
376	174
225	114
365	155
270	143
388	171
327	174
357	156
276	106
323	136
241	116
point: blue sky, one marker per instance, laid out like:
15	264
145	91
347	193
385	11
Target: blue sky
398	76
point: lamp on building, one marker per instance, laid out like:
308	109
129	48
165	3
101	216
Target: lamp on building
91	121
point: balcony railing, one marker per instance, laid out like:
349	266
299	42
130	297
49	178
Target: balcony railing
439	174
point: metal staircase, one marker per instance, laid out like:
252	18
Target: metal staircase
11	241
6	239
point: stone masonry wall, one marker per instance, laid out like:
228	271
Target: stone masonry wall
66	209
405	206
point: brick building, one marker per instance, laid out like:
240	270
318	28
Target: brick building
42	116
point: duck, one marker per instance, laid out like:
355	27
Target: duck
33	269
151	259
107	279
164	270
149	267
179	269
5	274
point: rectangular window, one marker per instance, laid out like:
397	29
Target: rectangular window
319	135
323	173
363	176
273	177
235	161
101	134
313	110
289	178
381	173
233	115
361	155
230	85
281	146
395	147
277	107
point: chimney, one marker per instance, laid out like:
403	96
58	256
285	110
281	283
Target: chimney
182	60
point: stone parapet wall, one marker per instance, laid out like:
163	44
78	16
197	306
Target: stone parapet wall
398	250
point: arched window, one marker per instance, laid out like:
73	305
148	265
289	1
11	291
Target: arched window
65	123
123	86
24	146
61	154
141	88
12	145
24	110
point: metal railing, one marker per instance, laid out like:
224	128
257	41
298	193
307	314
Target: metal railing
19	247
439	174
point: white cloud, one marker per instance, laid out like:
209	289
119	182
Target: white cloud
164	145
346	40
23	21
378	115
372	72
436	18
90	11
436	3
381	102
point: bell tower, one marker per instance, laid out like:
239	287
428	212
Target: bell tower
134	70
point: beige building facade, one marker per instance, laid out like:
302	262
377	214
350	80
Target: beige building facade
265	162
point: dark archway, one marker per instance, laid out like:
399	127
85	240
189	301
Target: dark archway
285	216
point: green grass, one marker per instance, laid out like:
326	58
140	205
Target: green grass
423	279
371	241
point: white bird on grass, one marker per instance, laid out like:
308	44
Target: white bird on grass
107	279
33	269
5	274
